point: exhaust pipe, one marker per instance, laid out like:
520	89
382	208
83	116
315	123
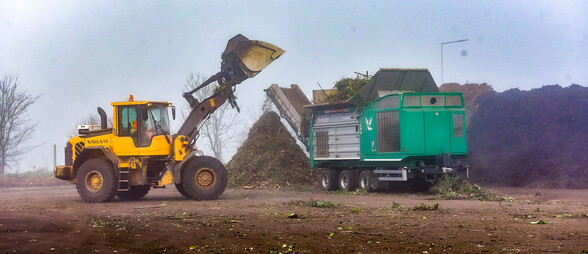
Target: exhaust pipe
102	118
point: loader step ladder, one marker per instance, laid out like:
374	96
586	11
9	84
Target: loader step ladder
123	179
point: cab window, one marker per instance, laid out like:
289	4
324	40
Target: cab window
127	124
155	123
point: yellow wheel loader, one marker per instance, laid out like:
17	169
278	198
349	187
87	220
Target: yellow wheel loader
138	152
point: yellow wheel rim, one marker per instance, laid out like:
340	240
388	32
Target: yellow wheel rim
94	181
205	178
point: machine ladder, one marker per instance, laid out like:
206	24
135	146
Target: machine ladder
123	179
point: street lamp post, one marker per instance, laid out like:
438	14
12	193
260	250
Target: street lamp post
443	43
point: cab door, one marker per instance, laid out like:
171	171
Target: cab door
126	142
154	131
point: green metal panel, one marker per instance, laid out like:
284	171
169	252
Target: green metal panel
458	133
310	145
368	133
412	139
437	131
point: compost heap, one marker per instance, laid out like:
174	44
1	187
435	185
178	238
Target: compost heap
527	138
270	157
473	95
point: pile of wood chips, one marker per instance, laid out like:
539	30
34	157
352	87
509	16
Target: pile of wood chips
270	158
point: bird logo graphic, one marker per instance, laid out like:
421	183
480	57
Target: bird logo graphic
368	123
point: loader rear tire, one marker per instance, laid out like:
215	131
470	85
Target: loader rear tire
204	178
135	193
96	181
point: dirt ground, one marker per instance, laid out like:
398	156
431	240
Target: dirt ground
56	220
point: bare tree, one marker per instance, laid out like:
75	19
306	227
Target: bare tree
15	126
221	127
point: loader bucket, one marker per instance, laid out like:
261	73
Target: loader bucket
249	56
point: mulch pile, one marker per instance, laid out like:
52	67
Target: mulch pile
473	95
528	138
270	157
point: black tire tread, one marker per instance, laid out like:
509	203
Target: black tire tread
370	174
135	193
181	190
352	176
188	185
333	176
106	169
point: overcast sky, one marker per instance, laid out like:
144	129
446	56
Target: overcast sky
83	54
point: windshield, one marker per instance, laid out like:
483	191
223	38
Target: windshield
157	121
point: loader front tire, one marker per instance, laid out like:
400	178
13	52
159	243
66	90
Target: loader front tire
181	190
136	192
96	181
204	178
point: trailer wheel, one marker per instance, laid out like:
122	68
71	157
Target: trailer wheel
348	180
204	178
329	179
96	181
136	192
367	181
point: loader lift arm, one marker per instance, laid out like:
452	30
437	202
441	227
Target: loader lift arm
201	110
242	59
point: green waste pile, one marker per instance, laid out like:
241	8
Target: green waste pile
454	188
270	157
346	88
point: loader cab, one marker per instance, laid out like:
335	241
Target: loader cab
142	128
